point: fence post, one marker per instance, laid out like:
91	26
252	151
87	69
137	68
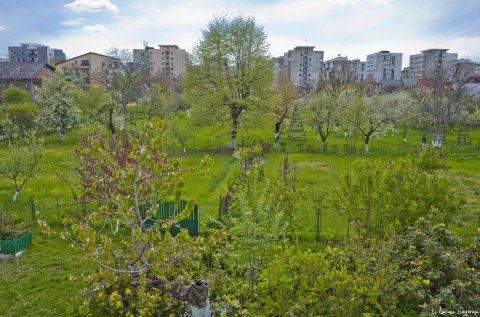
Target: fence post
318	225
32	207
6	203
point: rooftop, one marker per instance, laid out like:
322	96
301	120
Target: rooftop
21	70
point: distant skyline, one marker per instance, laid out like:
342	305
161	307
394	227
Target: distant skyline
352	28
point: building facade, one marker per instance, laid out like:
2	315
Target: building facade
420	65
304	67
342	69
90	68
384	65
25	75
32	52
167	61
361	71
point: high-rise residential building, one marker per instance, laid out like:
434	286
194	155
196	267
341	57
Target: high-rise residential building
90	68
361	71
32	52
340	68
465	68
384	65
304	67
428	61
167	61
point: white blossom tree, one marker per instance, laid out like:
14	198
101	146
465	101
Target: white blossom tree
366	114
59	110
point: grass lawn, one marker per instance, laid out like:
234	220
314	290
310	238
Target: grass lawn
39	284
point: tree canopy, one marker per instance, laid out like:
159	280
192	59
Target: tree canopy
229	71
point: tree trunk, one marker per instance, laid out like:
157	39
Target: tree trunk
195	295
62	136
277	133
367	138
201	312
233	133
111	126
14	199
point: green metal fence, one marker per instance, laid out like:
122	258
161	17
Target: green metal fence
14	243
168	210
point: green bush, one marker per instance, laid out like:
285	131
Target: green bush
23	115
442	274
15	95
357	279
387	197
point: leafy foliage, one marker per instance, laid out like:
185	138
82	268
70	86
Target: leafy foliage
383	198
14	95
229	71
135	264
21	161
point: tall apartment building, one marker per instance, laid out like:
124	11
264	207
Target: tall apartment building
341	68
32	52
304	66
428	60
168	61
89	68
465	68
361	71
384	65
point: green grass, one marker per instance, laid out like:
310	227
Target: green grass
38	284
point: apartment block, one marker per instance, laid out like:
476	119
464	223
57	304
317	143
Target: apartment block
167	61
384	65
33	52
304	66
427	61
340	68
361	70
90	68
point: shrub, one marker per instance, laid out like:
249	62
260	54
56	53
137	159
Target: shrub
384	197
23	114
15	95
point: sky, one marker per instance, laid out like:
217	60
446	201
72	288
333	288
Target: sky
353	28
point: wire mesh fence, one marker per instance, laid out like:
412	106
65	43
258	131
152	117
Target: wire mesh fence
311	223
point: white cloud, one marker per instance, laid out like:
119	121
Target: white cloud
97	28
2	28
73	22
348	27
92	6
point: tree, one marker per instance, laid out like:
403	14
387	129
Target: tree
257	227
444	100
285	95
321	109
21	161
404	112
59	110
90	101
14	95
366	114
156	100
229	71
121	81
134	263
